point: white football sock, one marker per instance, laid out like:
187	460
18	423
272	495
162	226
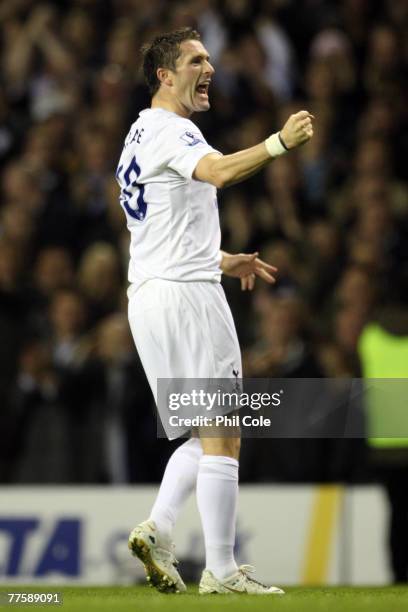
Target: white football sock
178	482
217	499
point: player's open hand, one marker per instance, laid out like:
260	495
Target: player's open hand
297	130
247	267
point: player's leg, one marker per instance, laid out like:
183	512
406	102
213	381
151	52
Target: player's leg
170	343
152	313
164	330
151	540
217	499
217	480
179	480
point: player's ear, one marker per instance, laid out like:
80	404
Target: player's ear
164	76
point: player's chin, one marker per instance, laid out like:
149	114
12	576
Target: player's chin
202	105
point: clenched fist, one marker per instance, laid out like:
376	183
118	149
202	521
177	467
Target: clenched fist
297	130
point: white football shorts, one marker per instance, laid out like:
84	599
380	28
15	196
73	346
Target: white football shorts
183	330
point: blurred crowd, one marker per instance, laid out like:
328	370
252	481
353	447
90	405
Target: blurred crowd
333	216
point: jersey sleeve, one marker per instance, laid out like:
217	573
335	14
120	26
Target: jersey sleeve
183	145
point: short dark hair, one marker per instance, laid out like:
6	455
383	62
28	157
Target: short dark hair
163	52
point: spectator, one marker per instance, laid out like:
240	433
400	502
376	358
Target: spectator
99	278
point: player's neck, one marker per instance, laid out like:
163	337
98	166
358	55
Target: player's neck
172	105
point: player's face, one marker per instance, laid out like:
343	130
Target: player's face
192	77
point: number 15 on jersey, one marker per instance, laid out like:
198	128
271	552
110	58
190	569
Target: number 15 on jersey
132	194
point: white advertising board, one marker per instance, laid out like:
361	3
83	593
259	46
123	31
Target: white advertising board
292	534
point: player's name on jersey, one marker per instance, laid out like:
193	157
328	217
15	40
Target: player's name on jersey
223	420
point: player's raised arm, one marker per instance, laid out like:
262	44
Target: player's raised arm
225	170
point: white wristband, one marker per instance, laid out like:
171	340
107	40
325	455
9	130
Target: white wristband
274	146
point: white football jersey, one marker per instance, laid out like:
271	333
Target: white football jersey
173	219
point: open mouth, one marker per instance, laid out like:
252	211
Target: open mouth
202	88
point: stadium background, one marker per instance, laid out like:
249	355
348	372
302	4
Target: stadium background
333	217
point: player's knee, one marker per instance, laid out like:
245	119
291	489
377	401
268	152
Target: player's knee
229	447
226	447
236	447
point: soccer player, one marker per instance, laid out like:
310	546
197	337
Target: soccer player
180	320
